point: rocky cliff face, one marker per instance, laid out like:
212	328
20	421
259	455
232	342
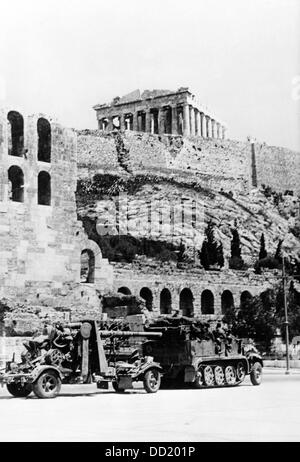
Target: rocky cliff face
176	208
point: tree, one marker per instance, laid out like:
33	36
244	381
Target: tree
269	261
220	255
203	255
236	261
259	317
235	244
212	250
181	251
278	253
262	252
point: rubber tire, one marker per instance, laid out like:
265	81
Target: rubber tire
18	390
256	368
234	381
207	383
116	387
198	382
219	383
147	381
38	389
240	378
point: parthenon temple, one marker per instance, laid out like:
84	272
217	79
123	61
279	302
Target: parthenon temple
160	112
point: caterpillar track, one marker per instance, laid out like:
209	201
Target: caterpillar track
191	354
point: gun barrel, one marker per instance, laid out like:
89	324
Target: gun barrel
121	333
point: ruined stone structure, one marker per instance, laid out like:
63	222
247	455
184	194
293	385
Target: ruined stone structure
167	290
176	149
41	240
160	112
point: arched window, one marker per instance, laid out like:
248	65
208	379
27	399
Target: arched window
186	302
226	301
44	188
146	294
124	290
165	302
15	184
245	297
207	302
87	266
44	140
15	134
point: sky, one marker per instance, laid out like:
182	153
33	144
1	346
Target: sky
240	57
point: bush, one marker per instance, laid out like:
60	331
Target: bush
268	262
167	255
212	251
236	263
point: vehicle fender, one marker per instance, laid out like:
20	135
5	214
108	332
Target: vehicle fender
254	358
40	369
148	366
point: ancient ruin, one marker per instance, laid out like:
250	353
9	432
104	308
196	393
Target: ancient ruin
160	112
41	239
58	185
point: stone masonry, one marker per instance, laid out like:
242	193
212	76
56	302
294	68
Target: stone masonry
160	112
167	289
41	240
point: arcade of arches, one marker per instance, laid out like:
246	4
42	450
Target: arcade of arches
186	301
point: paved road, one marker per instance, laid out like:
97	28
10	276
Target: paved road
270	412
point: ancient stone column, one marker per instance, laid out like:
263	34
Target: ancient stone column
160	120
174	121
127	122
203	124
186	120
218	130
213	126
110	124
148	121
198	123
151	122
192	116
135	121
139	123
122	122
223	133
208	126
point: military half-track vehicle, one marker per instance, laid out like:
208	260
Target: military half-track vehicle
192	353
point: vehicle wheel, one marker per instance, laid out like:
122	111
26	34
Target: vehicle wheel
18	389
198	383
208	376
240	372
219	376
230	375
152	379
47	385
116	387
256	374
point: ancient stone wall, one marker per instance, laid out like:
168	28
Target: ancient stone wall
41	239
136	277
221	164
278	168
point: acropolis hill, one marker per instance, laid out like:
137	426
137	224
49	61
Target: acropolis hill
161	149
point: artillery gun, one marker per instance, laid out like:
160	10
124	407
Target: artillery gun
191	353
88	356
